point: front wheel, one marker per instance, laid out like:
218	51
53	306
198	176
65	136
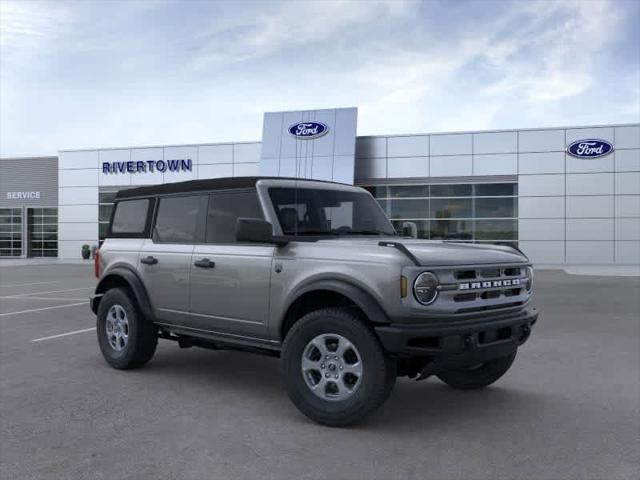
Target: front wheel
479	376
334	369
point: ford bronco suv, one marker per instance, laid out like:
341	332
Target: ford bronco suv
312	272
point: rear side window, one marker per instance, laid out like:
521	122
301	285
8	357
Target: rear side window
178	218
225	209
130	217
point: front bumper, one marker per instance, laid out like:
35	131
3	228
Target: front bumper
470	342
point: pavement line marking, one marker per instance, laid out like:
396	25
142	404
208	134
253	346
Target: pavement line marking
44	308
26	284
63	334
53	291
13	297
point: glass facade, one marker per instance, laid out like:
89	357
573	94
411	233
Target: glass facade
42	229
10	232
473	212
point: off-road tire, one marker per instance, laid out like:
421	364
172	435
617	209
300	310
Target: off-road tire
379	371
142	334
479	377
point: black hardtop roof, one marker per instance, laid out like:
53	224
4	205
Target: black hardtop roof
226	183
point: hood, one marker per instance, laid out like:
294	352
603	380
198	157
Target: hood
439	253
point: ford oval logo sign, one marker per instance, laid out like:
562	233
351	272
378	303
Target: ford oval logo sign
308	130
590	148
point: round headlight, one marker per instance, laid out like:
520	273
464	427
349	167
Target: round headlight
529	281
425	288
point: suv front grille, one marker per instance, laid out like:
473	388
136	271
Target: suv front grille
476	289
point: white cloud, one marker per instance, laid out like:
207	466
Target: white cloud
537	52
409	67
284	25
26	27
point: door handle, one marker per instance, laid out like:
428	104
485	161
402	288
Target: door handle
149	260
204	263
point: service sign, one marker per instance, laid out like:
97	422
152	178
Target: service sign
589	148
308	130
23	195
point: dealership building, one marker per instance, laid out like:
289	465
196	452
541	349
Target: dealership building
567	195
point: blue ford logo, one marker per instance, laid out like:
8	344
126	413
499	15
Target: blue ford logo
308	130
590	148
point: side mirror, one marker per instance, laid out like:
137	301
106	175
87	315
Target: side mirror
256	230
409	229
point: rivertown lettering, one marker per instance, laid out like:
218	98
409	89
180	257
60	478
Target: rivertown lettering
144	166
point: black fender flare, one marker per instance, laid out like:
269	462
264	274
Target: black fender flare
124	272
361	298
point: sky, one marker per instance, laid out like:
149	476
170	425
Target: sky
85	74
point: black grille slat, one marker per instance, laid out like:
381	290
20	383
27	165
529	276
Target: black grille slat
490	273
465	297
465	274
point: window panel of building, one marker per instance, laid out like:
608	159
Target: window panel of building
496	207
402	208
400	191
463	212
451	208
10	232
455	190
495	189
496	229
452	229
42	229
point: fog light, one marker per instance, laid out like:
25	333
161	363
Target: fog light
425	288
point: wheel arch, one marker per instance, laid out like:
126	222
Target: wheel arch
123	276
331	293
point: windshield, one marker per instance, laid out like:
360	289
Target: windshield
307	211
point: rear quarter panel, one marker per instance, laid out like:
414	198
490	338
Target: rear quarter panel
118	251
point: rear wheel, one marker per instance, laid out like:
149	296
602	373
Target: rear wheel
334	368
126	338
478	376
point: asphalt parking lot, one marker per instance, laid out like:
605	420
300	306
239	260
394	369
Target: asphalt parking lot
569	407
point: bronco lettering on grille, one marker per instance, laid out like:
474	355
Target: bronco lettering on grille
514	282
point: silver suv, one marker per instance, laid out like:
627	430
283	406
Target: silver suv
312	272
